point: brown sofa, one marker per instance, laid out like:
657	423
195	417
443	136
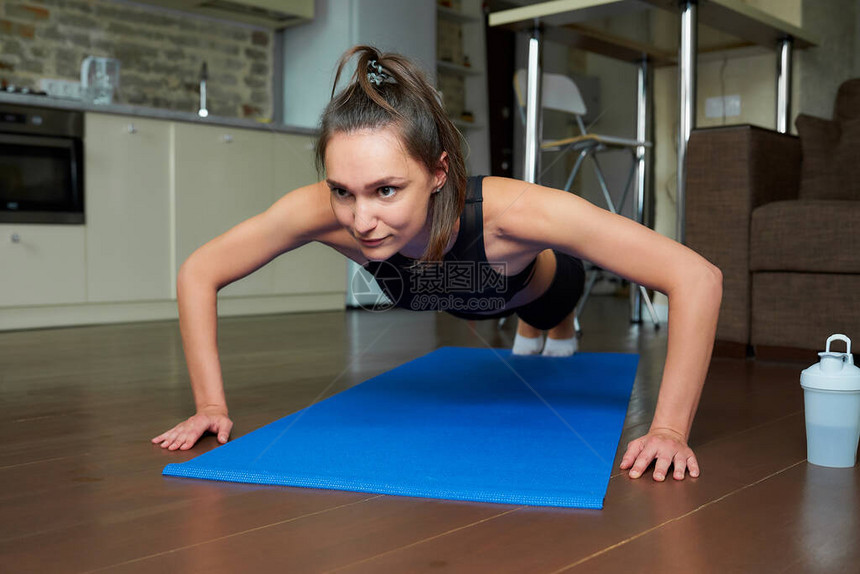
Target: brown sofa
780	216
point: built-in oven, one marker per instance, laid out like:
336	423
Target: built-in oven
41	165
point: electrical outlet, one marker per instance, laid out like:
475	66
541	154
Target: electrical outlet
61	88
732	105
728	106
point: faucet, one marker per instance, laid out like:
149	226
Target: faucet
204	75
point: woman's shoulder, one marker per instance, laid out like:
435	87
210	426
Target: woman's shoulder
520	210
308	207
504	199
506	222
498	188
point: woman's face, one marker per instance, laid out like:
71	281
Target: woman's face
379	193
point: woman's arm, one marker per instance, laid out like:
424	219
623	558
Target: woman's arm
693	310
297	218
546	217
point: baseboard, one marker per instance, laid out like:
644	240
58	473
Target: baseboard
786	354
46	316
731	350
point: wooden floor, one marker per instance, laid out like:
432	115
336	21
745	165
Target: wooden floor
81	489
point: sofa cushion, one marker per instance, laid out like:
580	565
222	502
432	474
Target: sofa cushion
847	101
803	309
815	236
831	156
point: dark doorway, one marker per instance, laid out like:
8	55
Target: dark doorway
501	52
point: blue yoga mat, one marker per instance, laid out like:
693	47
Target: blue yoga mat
458	424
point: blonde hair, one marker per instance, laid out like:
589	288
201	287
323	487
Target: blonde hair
401	97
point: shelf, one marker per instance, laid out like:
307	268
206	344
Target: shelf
456	15
458	69
461	34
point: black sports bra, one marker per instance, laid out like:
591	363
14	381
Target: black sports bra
465	283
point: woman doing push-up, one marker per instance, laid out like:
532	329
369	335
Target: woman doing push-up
396	199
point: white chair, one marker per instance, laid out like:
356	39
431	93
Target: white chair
560	93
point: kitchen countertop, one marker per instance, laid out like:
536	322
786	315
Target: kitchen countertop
153	113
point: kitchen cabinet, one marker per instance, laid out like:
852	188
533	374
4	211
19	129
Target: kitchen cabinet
127	208
156	190
294	163
222	177
42	264
226	176
312	268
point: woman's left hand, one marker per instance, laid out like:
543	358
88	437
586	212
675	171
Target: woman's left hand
667	447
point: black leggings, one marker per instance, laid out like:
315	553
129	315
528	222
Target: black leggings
560	298
552	306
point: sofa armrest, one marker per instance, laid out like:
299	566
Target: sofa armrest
729	172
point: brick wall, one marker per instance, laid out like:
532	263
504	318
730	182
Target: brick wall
161	53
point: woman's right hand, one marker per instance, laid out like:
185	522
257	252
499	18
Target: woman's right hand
184	435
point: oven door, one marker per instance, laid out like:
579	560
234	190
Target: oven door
41	179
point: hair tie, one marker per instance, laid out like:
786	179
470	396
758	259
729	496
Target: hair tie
376	74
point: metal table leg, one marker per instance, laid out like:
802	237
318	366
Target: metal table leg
533	109
642	101
783	86
687	102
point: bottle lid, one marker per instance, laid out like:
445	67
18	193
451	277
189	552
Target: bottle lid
835	372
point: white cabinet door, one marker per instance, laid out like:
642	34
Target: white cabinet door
222	176
41	265
312	268
128	209
293	160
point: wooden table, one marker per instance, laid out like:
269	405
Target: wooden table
560	20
